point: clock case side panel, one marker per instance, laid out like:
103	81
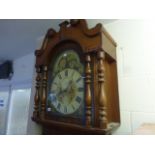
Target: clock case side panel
111	78
111	87
110	82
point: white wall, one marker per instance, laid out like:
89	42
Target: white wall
23	77
18	113
23	71
136	71
25	74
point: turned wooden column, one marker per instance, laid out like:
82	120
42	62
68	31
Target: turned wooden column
101	94
37	95
88	97
44	91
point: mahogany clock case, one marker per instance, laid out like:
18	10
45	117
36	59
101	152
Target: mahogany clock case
97	53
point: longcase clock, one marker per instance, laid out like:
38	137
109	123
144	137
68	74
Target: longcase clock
76	82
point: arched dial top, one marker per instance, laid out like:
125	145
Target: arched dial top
66	89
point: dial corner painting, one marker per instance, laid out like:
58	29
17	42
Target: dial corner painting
66	85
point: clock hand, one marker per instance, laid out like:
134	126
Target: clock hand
71	91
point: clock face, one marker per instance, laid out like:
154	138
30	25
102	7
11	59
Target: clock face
66	91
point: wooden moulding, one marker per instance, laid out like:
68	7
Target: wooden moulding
75	31
74	129
108	44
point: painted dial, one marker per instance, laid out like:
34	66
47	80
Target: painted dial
67	91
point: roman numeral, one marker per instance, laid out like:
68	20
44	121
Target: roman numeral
59	75
78	99
78	79
66	73
80	89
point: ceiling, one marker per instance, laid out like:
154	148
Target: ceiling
19	37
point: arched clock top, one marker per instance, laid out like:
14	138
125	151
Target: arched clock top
74	30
